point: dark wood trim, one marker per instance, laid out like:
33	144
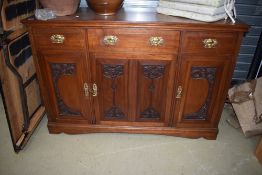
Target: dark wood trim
30	80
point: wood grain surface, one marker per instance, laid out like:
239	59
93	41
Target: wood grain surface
137	83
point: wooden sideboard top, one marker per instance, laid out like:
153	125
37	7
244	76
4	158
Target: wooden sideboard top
135	17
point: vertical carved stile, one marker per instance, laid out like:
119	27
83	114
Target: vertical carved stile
208	73
58	70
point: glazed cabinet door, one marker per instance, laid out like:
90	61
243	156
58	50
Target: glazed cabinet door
65	78
201	91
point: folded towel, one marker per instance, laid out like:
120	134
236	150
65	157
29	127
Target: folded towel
214	3
196	13
203	9
191	15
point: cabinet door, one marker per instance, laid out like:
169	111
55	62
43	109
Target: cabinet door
65	75
200	96
110	75
133	90
155	79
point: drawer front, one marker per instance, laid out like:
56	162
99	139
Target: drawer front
133	40
59	38
215	43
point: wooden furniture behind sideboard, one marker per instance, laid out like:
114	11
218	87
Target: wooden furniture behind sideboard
135	72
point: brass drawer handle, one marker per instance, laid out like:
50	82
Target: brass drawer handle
179	92
110	40
57	39
210	43
156	41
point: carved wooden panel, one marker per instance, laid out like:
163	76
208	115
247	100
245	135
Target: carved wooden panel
58	70
152	72
111	76
113	72
151	89
202	81
208	73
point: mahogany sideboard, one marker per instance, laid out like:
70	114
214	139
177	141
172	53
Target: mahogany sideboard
135	72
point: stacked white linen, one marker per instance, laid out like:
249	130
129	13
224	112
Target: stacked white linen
203	10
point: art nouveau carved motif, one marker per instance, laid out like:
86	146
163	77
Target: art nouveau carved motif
114	112
152	72
58	70
208	73
150	113
112	72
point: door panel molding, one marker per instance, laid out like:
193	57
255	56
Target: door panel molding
209	74
59	70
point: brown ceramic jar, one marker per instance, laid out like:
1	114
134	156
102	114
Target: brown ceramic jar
61	7
105	7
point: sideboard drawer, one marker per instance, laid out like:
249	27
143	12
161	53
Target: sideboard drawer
59	38
134	40
215	43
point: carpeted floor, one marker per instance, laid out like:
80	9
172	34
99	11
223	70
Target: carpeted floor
129	154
